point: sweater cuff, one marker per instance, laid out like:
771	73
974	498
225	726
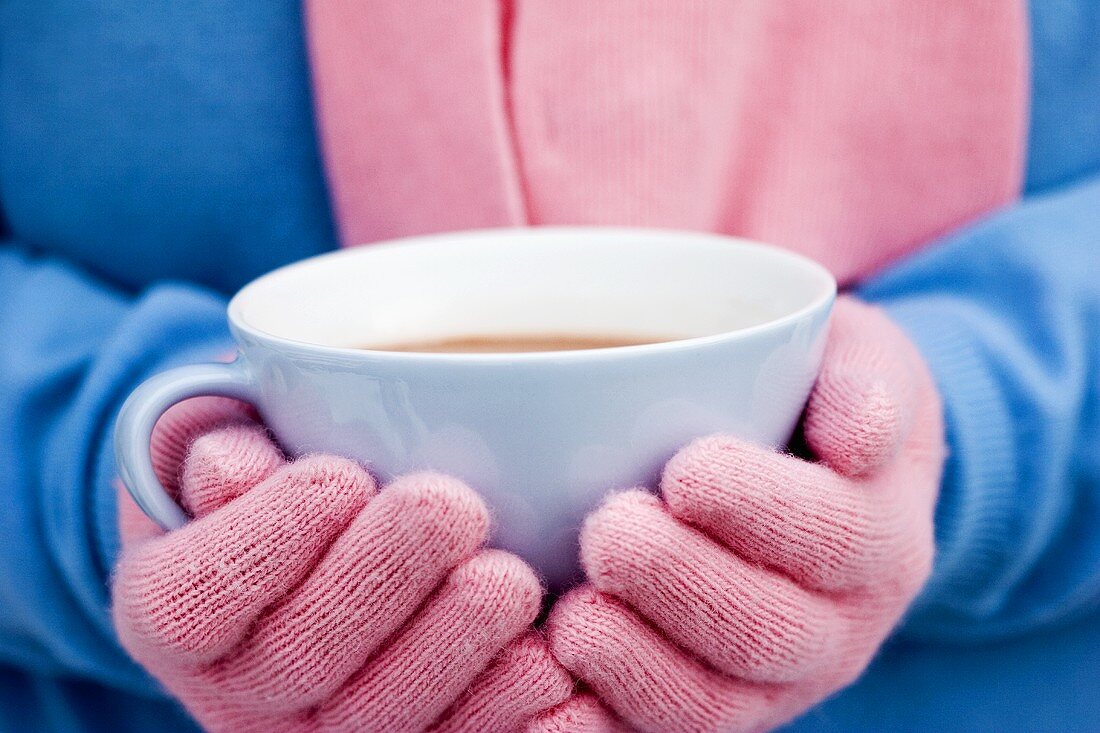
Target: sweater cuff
977	511
196	332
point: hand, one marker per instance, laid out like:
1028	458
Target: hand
759	583
301	598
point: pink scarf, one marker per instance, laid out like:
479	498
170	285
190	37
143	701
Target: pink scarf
851	131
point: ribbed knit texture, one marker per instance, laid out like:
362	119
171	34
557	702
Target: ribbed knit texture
759	583
580	714
430	70
300	598
796	122
523	682
989	516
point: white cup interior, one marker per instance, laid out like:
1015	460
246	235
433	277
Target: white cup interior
632	283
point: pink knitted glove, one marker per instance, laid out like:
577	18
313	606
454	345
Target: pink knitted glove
300	598
758	583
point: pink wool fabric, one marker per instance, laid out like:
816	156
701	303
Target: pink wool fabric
758	583
302	598
790	121
582	713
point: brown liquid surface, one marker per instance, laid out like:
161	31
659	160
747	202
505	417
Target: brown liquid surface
516	344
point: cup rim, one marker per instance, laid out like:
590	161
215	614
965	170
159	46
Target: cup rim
821	301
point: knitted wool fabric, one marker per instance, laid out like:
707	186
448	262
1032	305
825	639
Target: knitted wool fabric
580	714
301	598
759	583
789	121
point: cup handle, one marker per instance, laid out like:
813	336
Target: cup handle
140	413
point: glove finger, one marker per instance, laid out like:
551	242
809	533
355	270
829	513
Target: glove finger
737	616
222	465
651	684
190	596
483	605
212	713
134	525
185	421
800	518
524	681
399	548
579	714
862	406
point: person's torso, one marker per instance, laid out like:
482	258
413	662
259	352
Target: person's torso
162	140
176	140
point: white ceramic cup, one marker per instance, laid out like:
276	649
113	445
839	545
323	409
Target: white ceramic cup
543	436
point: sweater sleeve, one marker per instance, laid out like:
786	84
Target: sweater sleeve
71	350
1007	314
